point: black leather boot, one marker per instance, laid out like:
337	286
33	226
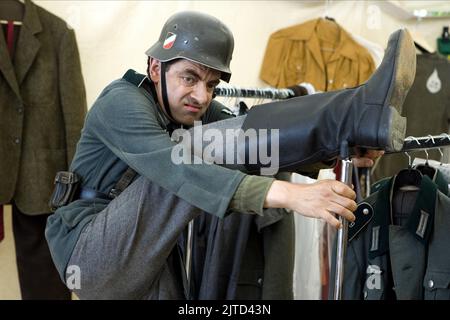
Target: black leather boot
312	128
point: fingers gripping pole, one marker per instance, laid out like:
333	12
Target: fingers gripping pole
342	234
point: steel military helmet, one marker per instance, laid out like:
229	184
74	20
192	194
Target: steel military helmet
197	37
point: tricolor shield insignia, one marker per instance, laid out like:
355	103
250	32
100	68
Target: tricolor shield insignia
170	40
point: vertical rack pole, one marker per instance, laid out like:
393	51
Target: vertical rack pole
188	262
342	234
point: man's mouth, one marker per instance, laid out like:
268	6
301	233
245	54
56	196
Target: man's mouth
192	108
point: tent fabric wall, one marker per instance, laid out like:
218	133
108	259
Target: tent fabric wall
113	35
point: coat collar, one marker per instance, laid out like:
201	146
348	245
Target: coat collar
28	45
6	66
309	33
27	48
421	218
140	80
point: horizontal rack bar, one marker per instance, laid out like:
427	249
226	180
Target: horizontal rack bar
267	93
422	143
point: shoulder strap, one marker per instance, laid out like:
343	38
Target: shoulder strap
140	80
133	77
124	181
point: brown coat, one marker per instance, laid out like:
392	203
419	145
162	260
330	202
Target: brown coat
42	107
319	52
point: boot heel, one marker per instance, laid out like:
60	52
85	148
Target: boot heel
385	130
396	130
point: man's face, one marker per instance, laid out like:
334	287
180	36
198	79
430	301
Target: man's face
190	87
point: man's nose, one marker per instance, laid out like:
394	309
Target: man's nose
200	93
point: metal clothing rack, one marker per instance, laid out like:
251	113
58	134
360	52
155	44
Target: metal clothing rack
263	93
237	92
423	13
409	144
345	177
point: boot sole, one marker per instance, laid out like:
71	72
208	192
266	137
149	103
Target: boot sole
405	72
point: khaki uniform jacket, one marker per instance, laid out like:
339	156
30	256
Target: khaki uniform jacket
42	107
319	52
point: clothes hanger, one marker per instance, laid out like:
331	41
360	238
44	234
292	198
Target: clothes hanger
421	49
14	22
326	14
426	169
420	42
408	179
442	156
445	34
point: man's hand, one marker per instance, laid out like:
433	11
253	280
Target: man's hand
367	159
321	200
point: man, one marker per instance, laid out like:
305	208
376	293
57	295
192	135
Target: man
135	246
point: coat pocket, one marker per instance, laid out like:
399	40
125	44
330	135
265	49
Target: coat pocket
249	285
437	285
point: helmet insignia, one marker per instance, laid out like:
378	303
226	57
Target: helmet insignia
170	40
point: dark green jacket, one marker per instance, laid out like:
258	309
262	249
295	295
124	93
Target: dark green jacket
410	261
124	128
42	108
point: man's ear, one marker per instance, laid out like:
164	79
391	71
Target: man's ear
154	70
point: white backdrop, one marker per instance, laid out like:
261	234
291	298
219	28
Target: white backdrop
113	35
